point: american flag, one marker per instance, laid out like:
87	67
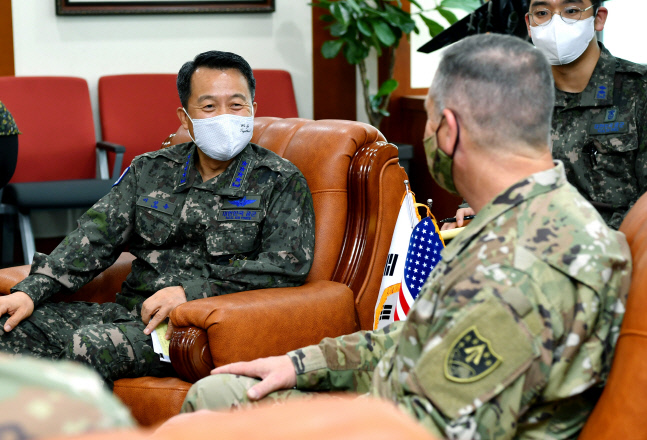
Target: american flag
423	255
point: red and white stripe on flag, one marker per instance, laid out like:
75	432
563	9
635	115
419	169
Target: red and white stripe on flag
387	299
422	256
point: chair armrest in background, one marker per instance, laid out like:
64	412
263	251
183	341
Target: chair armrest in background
102	159
248	325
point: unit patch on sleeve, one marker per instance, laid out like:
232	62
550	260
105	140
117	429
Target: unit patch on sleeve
470	357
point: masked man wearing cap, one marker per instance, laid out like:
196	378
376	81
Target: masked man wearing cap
513	333
203	218
600	117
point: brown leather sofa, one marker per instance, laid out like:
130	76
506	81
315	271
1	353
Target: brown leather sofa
357	186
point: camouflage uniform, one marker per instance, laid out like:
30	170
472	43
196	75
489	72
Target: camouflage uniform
7	124
512	334
601	136
45	399
251	227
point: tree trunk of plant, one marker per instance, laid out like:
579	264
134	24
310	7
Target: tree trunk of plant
375	117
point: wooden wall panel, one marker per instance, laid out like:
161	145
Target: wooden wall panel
333	80
6	39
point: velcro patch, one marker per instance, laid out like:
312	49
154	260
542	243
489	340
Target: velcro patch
471	357
245	215
612	127
496	350
248	201
156	204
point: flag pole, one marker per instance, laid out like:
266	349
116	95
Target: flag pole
412	214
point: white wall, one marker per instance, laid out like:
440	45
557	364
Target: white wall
623	34
92	46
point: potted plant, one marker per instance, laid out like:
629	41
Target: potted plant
361	25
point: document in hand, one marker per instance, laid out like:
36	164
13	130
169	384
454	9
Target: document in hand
160	343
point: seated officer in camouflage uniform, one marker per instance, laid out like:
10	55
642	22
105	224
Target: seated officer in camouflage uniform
600	114
514	331
204	218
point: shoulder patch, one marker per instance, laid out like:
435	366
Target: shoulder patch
476	358
121	177
470	357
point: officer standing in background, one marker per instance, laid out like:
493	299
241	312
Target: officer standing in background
204	218
600	116
513	333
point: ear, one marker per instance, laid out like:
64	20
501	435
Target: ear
254	106
528	25
448	133
601	18
184	119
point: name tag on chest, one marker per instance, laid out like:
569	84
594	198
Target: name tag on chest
156	204
609	128
245	215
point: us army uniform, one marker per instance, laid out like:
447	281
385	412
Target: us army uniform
601	136
41	399
511	335
251	227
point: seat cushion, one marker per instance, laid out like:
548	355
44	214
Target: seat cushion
152	400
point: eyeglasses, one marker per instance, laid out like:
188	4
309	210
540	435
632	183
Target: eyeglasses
570	14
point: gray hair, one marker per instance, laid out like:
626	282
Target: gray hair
500	86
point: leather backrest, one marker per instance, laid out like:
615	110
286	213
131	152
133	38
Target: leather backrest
137	111
54	115
620	412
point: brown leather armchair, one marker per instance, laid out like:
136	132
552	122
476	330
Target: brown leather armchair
357	186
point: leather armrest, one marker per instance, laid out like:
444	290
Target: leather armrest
258	323
11	276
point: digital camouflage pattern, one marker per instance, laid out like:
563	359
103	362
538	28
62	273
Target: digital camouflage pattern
251	227
512	334
8	126
41	399
601	136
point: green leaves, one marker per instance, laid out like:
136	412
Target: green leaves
465	5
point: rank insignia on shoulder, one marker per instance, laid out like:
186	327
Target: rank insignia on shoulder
601	93
248	201
470	357
121	177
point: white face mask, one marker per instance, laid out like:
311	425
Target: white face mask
222	137
563	43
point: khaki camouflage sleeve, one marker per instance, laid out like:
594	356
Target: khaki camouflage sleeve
283	256
88	250
42	399
345	363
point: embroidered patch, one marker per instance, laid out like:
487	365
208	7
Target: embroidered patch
156	204
121	177
239	177
601	93
245	215
470	357
612	127
611	115
248	201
